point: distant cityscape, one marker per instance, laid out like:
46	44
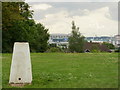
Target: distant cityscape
62	39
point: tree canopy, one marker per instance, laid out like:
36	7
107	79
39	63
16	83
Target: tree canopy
18	26
76	40
109	45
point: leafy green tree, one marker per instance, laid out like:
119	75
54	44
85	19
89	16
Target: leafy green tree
10	14
76	40
18	26
40	39
109	45
14	11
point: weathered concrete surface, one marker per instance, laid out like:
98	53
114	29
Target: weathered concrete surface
21	64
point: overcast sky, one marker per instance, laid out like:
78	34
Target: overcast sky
93	18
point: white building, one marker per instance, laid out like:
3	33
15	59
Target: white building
61	40
116	41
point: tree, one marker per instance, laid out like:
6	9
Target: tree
76	40
109	45
41	36
10	15
18	26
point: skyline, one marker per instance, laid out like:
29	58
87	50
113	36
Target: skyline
100	19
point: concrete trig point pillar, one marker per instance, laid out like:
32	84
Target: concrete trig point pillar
20	73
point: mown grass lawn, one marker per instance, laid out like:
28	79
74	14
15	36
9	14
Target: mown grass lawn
69	70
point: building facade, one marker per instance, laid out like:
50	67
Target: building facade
99	39
116	41
61	40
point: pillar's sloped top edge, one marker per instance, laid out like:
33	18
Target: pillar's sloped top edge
21	43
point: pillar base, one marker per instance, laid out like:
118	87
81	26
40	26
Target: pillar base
19	84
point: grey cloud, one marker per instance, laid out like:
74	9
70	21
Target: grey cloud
71	0
75	8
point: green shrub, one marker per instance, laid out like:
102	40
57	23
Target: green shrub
54	49
95	51
117	49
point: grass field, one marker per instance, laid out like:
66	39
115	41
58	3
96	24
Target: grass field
60	70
